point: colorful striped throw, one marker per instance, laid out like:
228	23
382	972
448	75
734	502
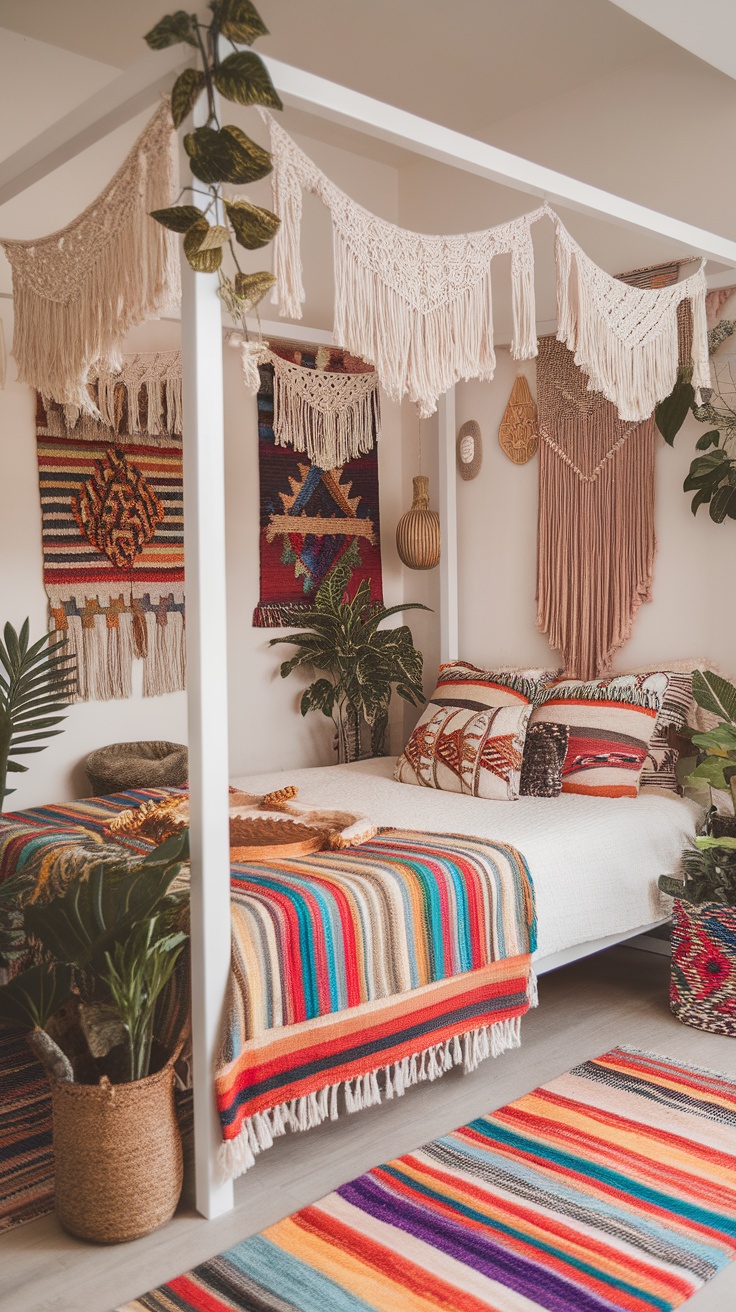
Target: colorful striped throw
355	973
26	1158
612	1187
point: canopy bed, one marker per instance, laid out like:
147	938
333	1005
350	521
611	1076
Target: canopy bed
659	825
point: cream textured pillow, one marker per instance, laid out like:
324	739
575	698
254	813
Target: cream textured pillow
470	737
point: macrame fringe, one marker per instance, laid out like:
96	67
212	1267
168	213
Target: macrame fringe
105	654
79	291
468	1050
626	339
334	418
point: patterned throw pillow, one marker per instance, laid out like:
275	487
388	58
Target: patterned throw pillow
610	723
470	738
545	750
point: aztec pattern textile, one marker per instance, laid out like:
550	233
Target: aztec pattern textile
612	1187
677	703
595	547
703	974
113	557
610	723
78	292
470	736
545	750
371	968
311	517
26	1154
418	307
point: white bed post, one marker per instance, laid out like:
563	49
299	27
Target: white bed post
449	636
204	558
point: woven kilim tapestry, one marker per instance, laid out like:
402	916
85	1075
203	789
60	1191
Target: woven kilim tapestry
310	517
113	556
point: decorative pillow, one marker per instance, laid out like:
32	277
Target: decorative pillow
544	756
470	738
610	723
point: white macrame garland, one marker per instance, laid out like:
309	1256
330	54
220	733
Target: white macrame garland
419	307
79	291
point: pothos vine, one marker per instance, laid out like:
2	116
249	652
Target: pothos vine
221	153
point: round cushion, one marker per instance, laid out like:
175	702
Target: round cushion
121	766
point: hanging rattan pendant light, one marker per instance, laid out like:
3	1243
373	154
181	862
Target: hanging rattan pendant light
418	531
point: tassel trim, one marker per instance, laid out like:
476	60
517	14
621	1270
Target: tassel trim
105	638
258	1132
333	417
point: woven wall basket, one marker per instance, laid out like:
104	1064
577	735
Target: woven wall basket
703	972
418	531
118	1157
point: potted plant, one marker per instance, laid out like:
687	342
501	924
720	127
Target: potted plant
716	763
99	956
363	662
36	682
703	970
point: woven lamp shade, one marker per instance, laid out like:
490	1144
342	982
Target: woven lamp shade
418	531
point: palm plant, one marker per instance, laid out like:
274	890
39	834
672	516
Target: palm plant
363	662
36	682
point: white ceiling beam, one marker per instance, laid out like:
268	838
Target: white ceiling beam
316	95
136	89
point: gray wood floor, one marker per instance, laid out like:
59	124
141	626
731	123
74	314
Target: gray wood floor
620	996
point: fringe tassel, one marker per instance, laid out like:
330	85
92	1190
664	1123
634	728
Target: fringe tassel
257	1133
333	417
78	292
626	338
105	654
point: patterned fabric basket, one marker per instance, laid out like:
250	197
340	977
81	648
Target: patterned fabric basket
703	976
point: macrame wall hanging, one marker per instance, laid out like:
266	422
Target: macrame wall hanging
595	551
142	400
419	307
517	434
113	549
313	514
79	291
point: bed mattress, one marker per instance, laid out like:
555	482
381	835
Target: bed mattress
594	861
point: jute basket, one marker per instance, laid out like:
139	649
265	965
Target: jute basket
118	1157
703	972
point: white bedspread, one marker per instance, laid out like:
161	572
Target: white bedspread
594	861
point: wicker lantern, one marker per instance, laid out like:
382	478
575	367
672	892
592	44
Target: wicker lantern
418	531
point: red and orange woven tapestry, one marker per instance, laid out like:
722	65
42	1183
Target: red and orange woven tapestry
310	517
113	554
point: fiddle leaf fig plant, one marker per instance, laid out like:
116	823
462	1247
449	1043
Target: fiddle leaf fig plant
37	681
362	662
221	153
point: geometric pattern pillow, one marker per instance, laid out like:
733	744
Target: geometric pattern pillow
470	737
676	713
610	725
545	750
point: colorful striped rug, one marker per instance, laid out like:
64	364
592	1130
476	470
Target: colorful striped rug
612	1187
26	1163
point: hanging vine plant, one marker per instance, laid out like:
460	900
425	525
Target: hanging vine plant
221	154
712	476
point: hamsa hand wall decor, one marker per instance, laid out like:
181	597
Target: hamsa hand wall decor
517	434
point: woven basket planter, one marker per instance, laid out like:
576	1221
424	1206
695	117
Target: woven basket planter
122	766
118	1157
703	975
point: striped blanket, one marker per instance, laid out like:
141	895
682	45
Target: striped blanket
359	972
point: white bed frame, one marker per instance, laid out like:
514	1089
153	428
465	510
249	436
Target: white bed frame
128	95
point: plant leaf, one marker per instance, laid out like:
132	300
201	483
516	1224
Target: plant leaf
30	999
217	235
225	155
202	261
185	94
252	225
319	696
170	30
708	439
253	286
251	161
179	218
720	506
239	20
671	413
715	694
244	78
701	498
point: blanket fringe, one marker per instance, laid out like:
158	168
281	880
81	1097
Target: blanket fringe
369	1090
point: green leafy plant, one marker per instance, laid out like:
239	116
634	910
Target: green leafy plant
36	683
109	945
363	663
712	476
221	153
709	872
717	747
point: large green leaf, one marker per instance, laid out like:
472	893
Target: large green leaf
225	155
707	440
239	20
170	30
710	771
205	259
671	413
253	226
253	286
319	696
723	504
243	77
185	94
708	469
715	694
720	741
38	681
30	999
179	218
